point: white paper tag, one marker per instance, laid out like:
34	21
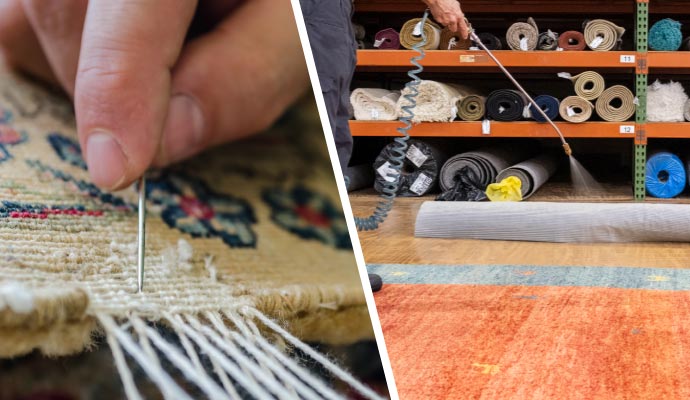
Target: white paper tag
627	129
523	44
526	113
559	48
596	42
453	112
374	114
379	42
501	110
421	184
565	75
474	48
486	127
452	43
416	156
636	101
571	112
385	171
417	31
627	59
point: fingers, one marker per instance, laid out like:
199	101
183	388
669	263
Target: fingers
58	26
234	81
122	87
464	27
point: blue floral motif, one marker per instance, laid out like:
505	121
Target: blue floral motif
8	135
67	149
193	208
309	215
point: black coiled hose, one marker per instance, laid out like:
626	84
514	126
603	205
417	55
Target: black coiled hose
399	150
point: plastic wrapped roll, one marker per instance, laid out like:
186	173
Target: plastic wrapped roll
505	105
359	177
484	163
665	175
666	102
492	42
575	109
411	34
436	101
453	41
523	36
572	41
420	169
665	35
608	111
547	41
533	173
589	85
471	108
387	39
374	104
603	35
550	106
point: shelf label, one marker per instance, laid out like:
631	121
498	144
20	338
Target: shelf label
627	59
627	129
486	127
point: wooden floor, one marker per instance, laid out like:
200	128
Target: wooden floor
394	243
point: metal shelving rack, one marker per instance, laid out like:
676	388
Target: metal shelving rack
641	70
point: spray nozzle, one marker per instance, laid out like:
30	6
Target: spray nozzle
568	150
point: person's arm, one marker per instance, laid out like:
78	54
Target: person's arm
449	13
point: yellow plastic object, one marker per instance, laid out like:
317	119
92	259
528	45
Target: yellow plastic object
509	189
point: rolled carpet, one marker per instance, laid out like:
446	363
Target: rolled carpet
665	35
603	35
555	222
387	39
492	42
686	111
471	107
616	104
453	41
359	177
666	102
572	41
548	104
575	109
547	41
484	163
665	175
411	34
359	30
589	85
420	170
374	104
685	46
523	36
505	105
533	173
436	101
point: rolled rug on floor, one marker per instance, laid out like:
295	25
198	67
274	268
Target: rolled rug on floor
374	104
547	41
471	107
420	171
555	222
548	104
484	163
589	85
506	105
616	104
603	35
575	109
453	41
533	173
359	177
411	34
665	35
387	39
572	41
666	102
491	41
523	36
436	101
665	175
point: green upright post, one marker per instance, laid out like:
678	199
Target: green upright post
641	71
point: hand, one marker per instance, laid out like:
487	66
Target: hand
145	95
449	14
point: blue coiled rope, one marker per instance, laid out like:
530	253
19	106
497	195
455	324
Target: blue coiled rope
399	150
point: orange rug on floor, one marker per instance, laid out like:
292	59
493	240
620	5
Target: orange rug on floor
516	341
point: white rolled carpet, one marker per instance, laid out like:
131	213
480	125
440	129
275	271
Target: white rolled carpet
666	102
436	101
375	104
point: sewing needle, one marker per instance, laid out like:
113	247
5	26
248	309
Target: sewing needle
142	232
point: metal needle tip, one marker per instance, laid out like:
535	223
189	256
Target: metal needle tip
142	232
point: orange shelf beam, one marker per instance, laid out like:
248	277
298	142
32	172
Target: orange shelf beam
669	60
521	129
677	130
509	58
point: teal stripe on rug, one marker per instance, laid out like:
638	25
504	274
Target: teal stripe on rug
527	275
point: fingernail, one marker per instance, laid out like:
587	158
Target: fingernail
183	128
107	162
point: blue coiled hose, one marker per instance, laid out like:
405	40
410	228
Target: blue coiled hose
399	150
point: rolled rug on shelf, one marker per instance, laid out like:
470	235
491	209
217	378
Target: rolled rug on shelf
575	109
484	163
491	41
471	107
436	101
523	36
665	35
359	31
387	39
361	45
686	111
420	171
616	104
506	105
549	104
374	104
666	102
685	46
589	85
411	34
533	173
665	175
547	41
572	41
603	35
360	177
453	41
